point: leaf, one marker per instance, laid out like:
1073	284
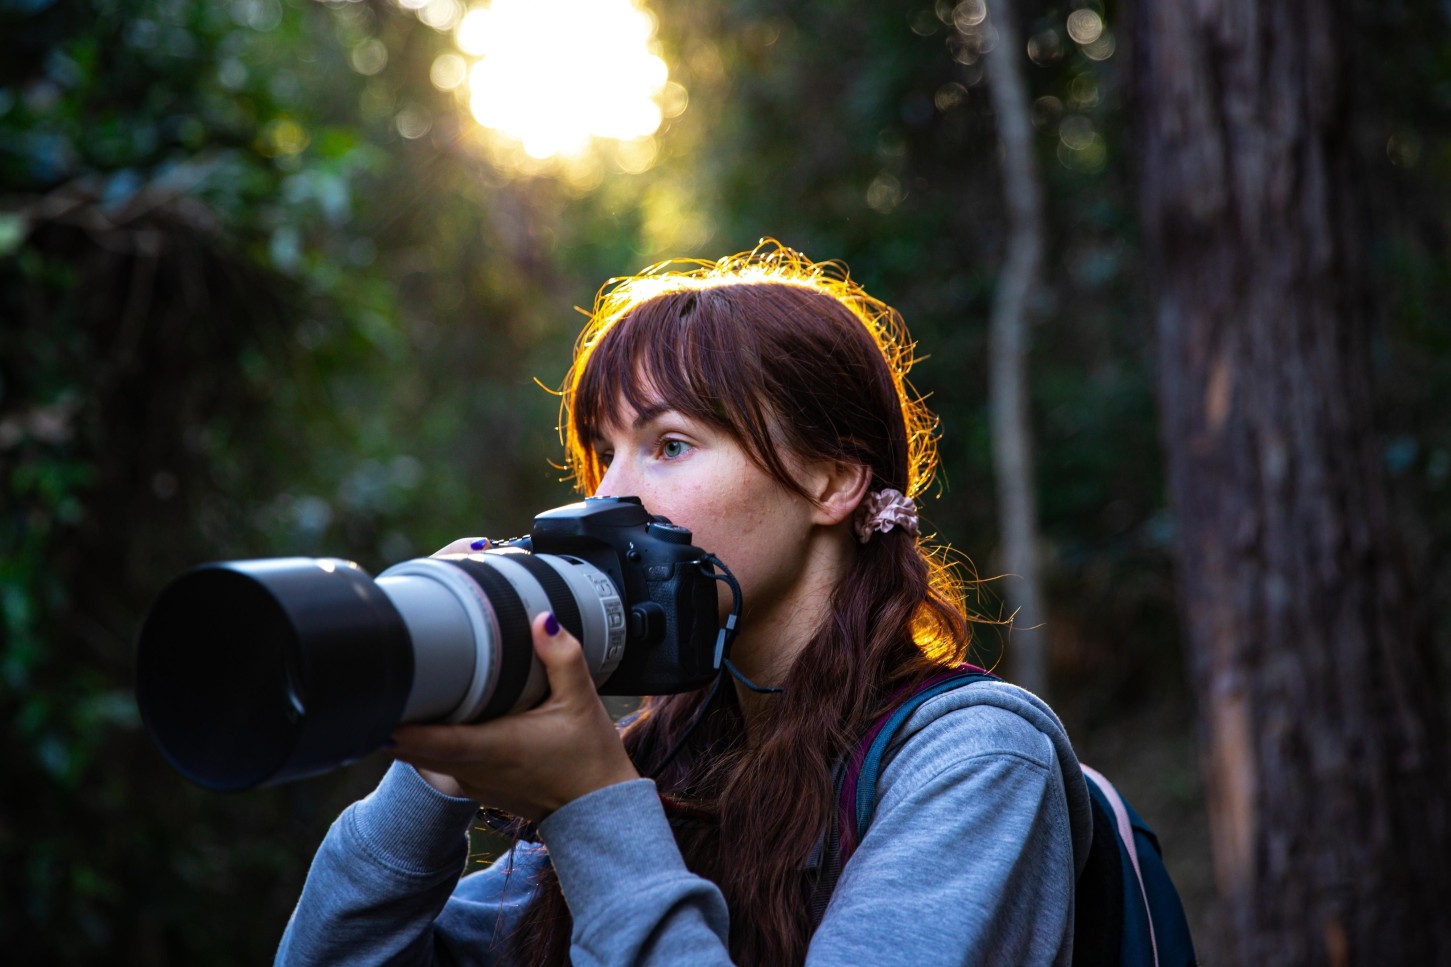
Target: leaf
13	229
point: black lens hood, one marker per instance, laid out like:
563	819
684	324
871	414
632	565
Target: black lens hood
251	673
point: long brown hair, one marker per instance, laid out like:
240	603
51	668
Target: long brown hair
786	356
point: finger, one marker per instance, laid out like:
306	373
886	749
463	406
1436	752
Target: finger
423	762
562	657
464	545
437	768
438	744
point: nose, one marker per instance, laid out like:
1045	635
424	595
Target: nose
616	482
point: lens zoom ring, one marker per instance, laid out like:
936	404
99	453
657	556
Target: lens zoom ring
561	599
516	642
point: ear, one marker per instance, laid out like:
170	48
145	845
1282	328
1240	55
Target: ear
839	489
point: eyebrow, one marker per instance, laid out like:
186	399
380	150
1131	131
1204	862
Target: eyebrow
643	418
650	413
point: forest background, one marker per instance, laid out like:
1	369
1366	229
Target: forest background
267	288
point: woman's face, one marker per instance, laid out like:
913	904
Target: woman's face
701	479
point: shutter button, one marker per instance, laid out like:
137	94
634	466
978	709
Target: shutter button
670	533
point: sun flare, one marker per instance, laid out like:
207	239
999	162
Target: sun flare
554	74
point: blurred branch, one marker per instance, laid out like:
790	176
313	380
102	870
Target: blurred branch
1012	433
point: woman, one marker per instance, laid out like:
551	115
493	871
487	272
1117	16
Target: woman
762	403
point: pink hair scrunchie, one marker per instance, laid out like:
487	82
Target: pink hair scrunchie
883	510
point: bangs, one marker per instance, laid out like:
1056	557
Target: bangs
788	357
682	350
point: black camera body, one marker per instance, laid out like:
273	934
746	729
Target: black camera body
260	672
673	618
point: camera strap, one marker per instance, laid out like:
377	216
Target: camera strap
730	666
710	565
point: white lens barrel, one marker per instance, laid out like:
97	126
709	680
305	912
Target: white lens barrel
458	651
536	602
601	611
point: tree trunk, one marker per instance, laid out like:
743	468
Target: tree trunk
1323	735
1012	427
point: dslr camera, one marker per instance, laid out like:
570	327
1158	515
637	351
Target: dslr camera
259	672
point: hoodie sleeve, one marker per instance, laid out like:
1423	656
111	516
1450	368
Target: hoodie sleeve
970	859
384	887
632	899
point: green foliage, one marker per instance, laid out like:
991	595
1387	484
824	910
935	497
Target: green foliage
242	314
866	134
177	206
250	317
1406	145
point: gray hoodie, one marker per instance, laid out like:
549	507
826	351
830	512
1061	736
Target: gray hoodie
982	824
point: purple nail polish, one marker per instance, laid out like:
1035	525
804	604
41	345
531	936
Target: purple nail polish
479	544
551	625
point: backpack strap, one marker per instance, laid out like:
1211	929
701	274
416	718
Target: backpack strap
856	780
858	795
1120	812
1127	911
1155	930
1099	896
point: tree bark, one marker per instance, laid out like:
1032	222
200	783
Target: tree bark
1322	729
1011	319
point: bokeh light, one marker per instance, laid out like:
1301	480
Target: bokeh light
1084	26
1100	49
969	14
369	57
555	76
1080	146
441	14
449	71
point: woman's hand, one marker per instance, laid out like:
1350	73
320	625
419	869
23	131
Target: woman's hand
533	762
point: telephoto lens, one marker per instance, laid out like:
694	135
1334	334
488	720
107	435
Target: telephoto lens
253	673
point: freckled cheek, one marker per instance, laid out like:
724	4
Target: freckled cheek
742	542
658	495
692	502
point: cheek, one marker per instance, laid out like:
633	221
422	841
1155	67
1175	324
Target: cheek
716	523
685	504
754	540
737	513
